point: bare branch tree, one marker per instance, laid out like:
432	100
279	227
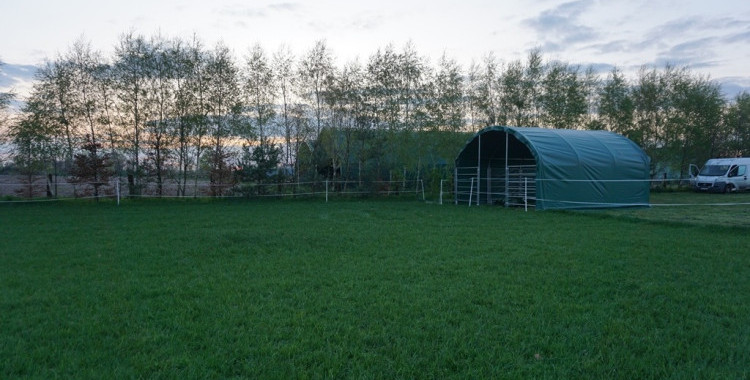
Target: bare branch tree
131	75
224	109
282	66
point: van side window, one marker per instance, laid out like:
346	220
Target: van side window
733	171
742	170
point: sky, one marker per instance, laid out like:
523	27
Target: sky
711	38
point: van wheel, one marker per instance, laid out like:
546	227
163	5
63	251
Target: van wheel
728	188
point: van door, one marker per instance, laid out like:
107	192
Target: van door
737	177
742	182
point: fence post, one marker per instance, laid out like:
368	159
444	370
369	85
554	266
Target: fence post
471	190
525	195
117	190
441	192
326	191
455	185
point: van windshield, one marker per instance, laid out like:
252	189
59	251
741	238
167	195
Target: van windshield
714	170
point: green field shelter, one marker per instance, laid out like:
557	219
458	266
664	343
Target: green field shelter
551	169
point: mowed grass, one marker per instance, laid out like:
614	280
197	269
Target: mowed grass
731	210
367	289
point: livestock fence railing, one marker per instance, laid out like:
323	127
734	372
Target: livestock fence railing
41	188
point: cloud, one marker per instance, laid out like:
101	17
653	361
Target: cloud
17	79
616	46
367	21
682	62
697	53
661	37
598	67
551	47
363	21
730	22
560	25
741	37
285	6
13	75
692	48
260	11
675	27
695	42
733	86
721	27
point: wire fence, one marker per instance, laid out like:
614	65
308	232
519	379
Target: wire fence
521	191
43	189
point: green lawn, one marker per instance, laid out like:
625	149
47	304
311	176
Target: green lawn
370	289
705	209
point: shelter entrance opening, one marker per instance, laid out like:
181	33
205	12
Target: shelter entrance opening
496	168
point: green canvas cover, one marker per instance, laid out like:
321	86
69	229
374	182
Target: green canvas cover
574	168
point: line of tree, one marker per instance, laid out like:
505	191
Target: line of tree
173	110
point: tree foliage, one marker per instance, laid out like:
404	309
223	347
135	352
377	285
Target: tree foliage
737	122
91	167
171	110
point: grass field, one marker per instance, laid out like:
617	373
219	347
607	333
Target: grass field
373	289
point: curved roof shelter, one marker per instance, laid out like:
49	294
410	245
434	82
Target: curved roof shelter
551	169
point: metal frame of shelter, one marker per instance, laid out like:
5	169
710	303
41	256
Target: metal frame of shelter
551	169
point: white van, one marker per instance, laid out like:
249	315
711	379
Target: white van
722	175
